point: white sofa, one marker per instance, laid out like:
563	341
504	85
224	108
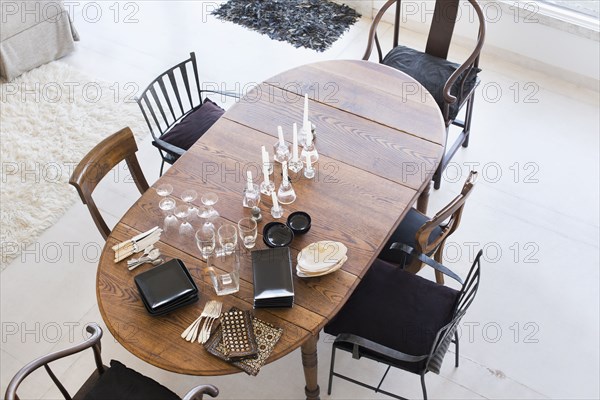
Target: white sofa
33	33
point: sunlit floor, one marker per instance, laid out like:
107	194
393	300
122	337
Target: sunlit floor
531	333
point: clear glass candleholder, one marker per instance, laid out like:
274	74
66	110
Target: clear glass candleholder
311	150
309	172
251	197
286	193
267	188
281	152
295	165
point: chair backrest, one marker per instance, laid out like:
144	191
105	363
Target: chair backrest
448	218
440	32
171	96
93	341
98	162
464	299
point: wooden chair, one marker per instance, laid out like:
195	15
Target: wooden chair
427	235
451	85
98	162
175	112
116	382
402	320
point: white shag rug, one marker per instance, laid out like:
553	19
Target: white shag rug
50	118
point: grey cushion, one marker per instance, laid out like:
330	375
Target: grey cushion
433	73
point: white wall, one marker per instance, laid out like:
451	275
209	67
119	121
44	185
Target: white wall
526	37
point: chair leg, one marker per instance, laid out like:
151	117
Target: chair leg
437	177
456	348
468	116
423	387
162	166
331	370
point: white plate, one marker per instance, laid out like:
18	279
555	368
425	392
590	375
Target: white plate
321	256
339	265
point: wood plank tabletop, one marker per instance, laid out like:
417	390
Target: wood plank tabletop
379	145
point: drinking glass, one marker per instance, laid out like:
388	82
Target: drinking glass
227	237
164	189
205	240
167	205
248	232
188	196
209	200
182	213
224	271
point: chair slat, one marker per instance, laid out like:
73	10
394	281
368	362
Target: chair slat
149	106
442	27
159	105
173	81
163	89
186	82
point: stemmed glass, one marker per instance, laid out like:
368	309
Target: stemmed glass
164	189
182	212
188	196
167	205
209	200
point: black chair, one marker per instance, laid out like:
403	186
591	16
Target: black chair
175	111
427	235
451	85
116	383
401	319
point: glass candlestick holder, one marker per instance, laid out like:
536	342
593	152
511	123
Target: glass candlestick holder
267	188
295	165
277	211
281	152
309	172
251	197
286	193
311	150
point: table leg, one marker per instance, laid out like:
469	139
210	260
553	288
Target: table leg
423	200
309	362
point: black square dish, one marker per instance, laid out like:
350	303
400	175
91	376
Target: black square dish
166	287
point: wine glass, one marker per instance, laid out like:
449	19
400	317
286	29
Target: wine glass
188	196
209	200
164	189
167	205
182	213
205	240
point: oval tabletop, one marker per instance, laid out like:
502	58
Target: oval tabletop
380	137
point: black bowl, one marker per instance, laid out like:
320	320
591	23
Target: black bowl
299	222
276	234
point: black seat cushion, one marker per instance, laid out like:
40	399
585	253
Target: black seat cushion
398	310
193	125
122	383
406	233
432	72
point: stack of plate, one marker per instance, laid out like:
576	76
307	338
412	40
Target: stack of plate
321	258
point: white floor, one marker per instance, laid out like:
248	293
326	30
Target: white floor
533	330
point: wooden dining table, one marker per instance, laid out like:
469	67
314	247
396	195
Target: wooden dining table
380	137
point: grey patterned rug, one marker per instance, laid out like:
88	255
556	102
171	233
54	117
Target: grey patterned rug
314	24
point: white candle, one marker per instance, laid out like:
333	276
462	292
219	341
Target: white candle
280	134
308	164
305	119
249	184
309	136
266	173
265	155
275	202
295	143
284	167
